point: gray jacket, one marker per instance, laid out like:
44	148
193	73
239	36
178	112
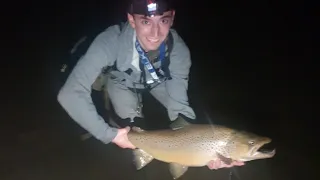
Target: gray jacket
110	45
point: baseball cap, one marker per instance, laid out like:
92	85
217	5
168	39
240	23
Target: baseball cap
150	7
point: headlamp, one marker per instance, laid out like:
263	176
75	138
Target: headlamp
150	7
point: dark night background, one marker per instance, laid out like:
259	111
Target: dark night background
251	70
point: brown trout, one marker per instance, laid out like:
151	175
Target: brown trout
194	145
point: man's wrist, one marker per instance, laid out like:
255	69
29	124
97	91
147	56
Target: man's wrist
115	137
110	136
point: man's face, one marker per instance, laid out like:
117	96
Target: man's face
151	31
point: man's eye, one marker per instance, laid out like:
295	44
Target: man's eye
145	22
165	21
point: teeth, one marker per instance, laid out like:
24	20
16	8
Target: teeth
153	40
273	152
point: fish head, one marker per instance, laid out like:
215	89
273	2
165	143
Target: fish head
249	146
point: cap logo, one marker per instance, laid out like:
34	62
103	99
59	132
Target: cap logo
152	7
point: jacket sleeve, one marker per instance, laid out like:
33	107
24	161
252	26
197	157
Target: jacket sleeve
180	63
75	95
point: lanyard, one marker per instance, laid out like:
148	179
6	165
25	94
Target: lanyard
145	60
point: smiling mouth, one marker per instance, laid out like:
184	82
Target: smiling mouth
153	40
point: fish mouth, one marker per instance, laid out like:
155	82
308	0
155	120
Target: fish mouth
263	150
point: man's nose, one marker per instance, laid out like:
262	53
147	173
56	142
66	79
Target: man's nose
155	30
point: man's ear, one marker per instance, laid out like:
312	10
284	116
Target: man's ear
131	20
173	14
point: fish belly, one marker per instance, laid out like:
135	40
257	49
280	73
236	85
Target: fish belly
183	157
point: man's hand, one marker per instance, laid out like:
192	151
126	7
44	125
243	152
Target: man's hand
122	139
220	164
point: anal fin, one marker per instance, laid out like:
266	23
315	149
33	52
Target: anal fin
141	158
177	170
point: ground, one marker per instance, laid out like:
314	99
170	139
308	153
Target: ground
245	75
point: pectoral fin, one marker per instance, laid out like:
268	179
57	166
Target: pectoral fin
141	158
137	129
177	170
226	160
179	123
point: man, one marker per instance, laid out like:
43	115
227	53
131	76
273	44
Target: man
144	54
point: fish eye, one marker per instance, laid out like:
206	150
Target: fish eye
251	142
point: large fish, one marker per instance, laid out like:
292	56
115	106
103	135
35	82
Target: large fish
194	145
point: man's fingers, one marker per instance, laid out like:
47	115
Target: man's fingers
129	145
127	128
214	164
224	165
237	163
220	164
